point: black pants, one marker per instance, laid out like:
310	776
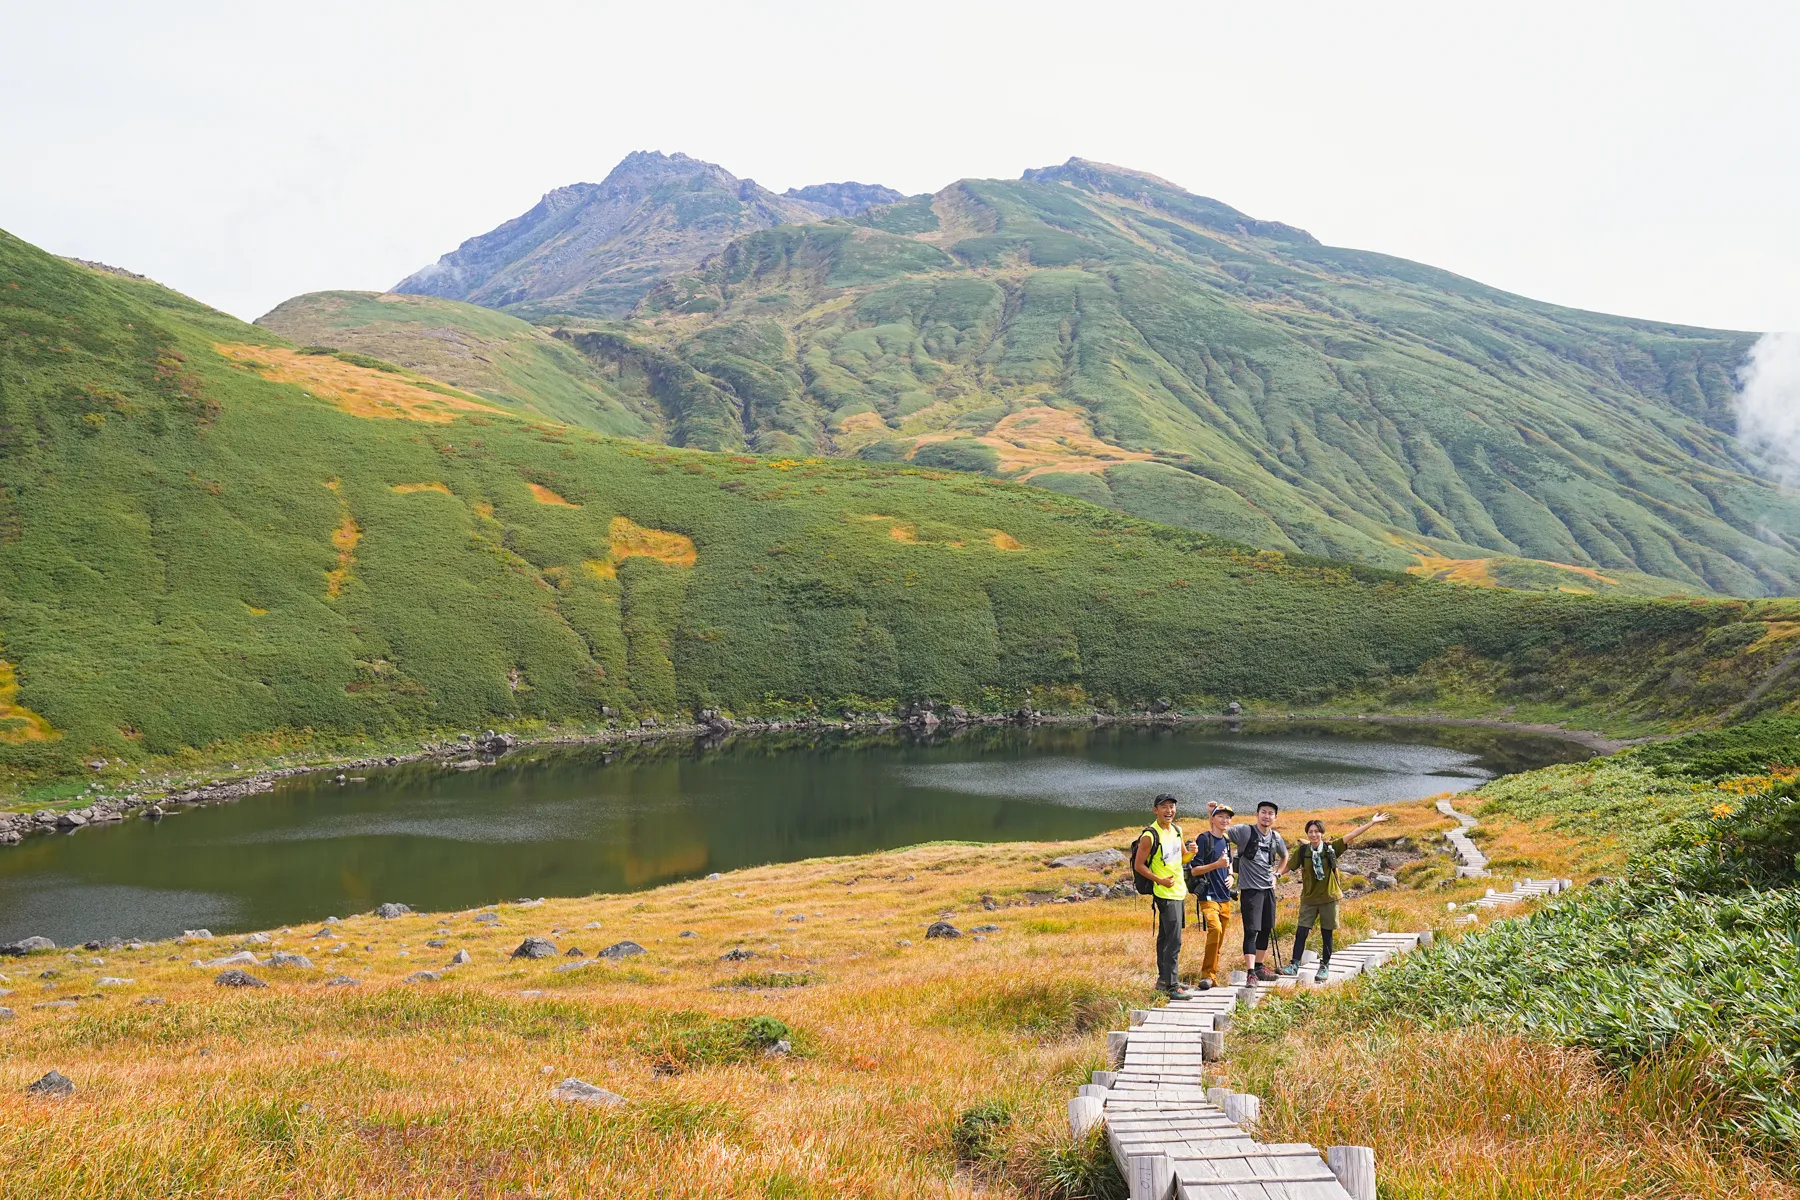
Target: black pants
1258	908
1171	915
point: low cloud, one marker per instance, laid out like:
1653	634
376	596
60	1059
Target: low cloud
1768	404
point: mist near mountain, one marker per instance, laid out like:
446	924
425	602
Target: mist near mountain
1768	406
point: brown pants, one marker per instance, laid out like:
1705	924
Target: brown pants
1214	916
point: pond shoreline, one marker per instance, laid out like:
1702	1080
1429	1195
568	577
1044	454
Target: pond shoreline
470	753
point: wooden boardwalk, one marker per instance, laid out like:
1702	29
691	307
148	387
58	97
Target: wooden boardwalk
1172	1136
1474	862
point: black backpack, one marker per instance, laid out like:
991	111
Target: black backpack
1144	886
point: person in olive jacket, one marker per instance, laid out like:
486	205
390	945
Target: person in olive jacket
1316	861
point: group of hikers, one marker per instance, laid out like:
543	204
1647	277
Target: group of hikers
1245	861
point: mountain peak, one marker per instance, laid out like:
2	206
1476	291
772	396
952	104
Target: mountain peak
1155	192
595	249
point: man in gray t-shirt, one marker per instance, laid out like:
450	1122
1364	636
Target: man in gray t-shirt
1262	857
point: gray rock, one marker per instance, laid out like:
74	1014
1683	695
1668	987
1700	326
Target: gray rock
575	1091
109	981
535	947
436	944
55	1004
332	921
985	929
714	877
576	966
738	955
342	981
1386	881
389	911
195	935
257	939
147	1001
423	977
30	945
55	1085
243	958
942	929
70	820
780	1049
324	933
7	1014
574	952
487	918
622	950
281	958
1092	858
688	933
461	958
237	979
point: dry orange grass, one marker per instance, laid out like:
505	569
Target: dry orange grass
359	391
17	723
631	540
415	1089
544	495
407	489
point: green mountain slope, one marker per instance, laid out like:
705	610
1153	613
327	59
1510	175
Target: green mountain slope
489	353
1353	404
207	537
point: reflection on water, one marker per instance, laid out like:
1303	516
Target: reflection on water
572	822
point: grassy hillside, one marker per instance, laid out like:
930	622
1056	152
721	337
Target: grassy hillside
1669	980
208	537
494	355
1342	402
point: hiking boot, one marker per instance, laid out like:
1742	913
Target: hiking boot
1290	971
1262	974
1323	973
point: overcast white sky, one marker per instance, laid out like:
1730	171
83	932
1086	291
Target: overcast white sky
1640	158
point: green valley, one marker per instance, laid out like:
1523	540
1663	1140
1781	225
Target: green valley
209	536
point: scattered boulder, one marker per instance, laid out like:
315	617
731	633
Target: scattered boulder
55	1004
1092	858
781	1049
714	877
622	950
259	939
423	977
54	1085
1125	889
535	947
30	945
985	929
342	981
70	820
1234	709
195	935
576	1091
737	955
1387	881
389	911
942	929
243	958
238	979
148	1001
687	933
110	981
487	918
574	952
7	1014
282	958
461	958
1161	704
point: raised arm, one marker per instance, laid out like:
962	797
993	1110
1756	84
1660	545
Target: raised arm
1371	823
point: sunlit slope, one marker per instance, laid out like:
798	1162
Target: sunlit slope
206	534
489	353
1343	402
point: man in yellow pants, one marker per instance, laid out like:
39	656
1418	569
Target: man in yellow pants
1209	875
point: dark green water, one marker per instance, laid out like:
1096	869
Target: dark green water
573	822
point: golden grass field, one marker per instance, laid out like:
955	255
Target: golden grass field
441	1088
